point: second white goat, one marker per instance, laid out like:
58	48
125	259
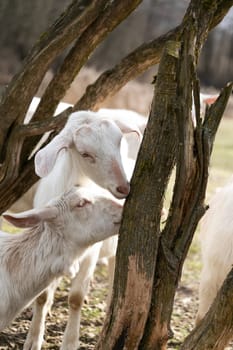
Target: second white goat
216	236
59	235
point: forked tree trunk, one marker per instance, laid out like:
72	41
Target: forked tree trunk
139	234
79	22
149	262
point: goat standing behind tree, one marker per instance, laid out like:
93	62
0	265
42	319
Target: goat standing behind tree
216	237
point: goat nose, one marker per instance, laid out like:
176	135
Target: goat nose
124	189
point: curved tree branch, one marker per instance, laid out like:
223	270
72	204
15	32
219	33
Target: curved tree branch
110	16
78	17
130	67
40	127
113	13
18	95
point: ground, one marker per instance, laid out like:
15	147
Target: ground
93	312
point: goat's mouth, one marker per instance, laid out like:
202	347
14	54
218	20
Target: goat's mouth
118	195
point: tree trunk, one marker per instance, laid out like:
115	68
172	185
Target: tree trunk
140	231
216	329
149	261
153	259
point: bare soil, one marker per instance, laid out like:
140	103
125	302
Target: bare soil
93	316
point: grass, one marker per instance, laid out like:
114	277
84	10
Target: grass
221	163
223	150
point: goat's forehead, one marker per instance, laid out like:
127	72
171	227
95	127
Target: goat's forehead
102	137
78	118
107	128
79	193
95	121
71	193
93	194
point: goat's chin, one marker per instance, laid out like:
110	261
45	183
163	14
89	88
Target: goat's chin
118	195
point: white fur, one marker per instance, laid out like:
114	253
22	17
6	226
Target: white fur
127	117
69	163
216	238
131	125
62	161
205	100
26	201
59	234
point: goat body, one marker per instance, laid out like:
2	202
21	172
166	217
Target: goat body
59	234
216	236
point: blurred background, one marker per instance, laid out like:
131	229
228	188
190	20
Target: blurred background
22	23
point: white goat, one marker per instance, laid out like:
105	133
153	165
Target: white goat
205	100
88	148
59	235
127	121
216	238
122	116
26	201
34	104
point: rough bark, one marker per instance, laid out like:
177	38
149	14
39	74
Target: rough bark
108	84
140	230
26	21
186	209
81	16
142	249
142	302
191	178
16	180
68	27
155	18
19	93
108	18
128	68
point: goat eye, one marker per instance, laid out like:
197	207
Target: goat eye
88	156
82	203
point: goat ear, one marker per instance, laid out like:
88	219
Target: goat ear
31	217
84	130
82	134
127	128
83	202
211	99
45	159
208	99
